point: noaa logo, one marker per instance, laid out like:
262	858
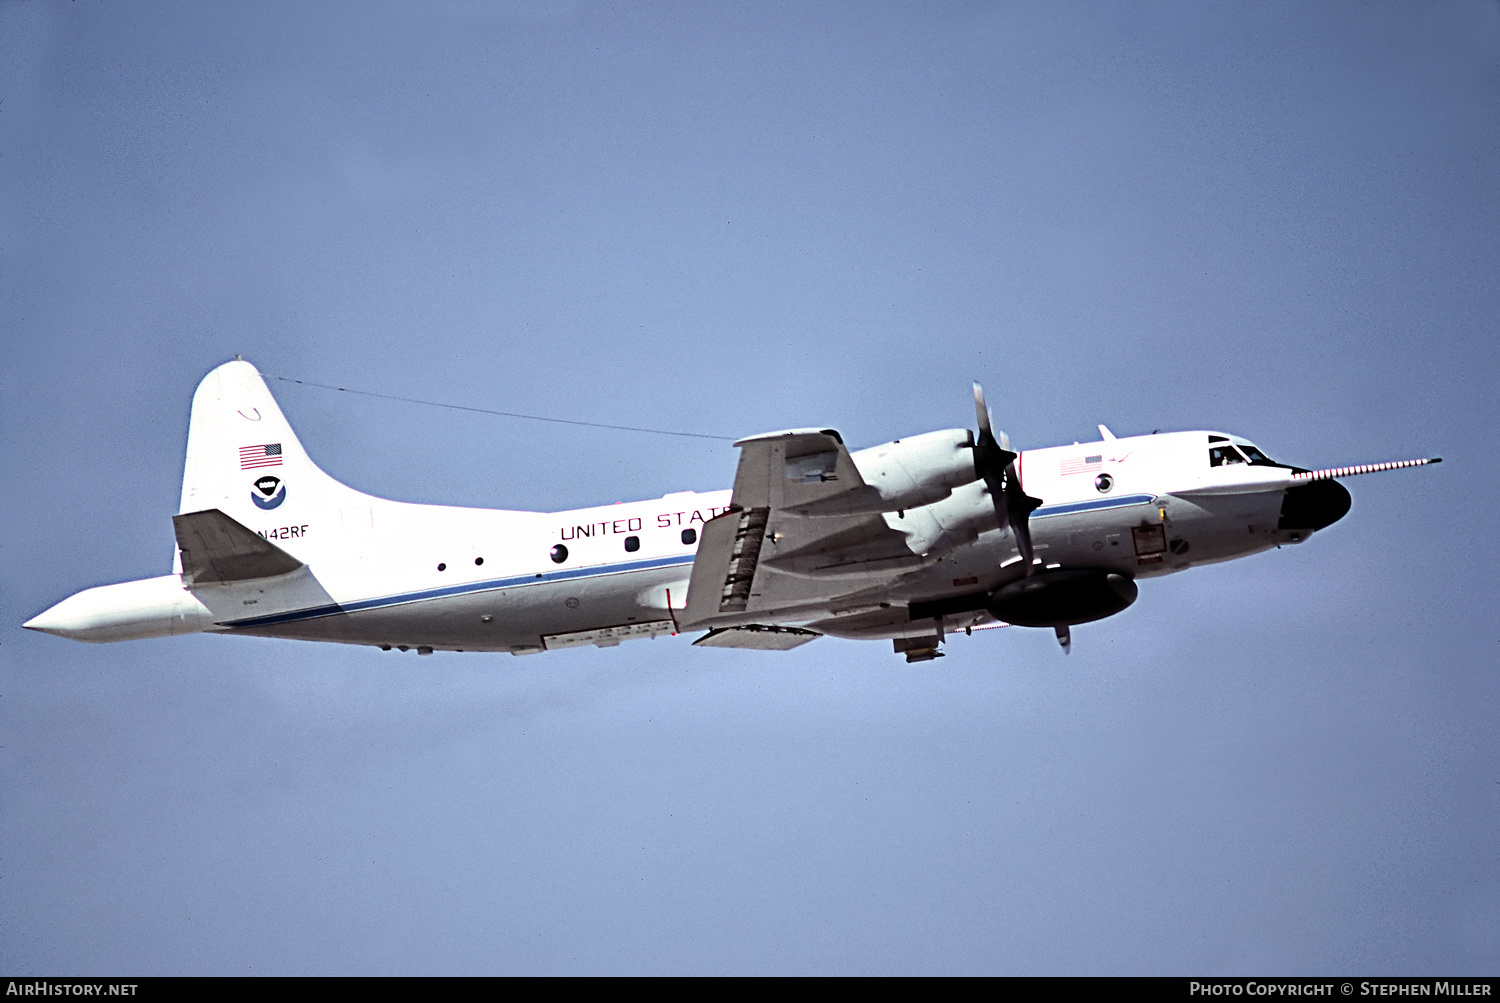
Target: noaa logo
269	492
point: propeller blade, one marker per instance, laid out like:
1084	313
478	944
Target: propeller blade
1018	508
981	410
996	464
990	460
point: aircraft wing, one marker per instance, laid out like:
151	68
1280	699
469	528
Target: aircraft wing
793	538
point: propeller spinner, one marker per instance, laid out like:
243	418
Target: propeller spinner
996	464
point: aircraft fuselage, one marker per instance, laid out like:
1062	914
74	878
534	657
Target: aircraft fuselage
363	570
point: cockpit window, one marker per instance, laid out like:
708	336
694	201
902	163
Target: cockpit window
1259	459
1221	456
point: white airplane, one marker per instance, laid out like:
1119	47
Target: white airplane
907	542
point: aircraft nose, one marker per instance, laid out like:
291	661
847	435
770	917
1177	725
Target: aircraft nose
1314	506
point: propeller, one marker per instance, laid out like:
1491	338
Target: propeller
996	464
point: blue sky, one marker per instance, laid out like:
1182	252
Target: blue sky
1277	220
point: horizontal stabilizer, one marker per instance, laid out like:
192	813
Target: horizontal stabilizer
757	636
217	550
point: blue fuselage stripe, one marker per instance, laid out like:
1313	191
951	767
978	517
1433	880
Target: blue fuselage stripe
468	588
1123	501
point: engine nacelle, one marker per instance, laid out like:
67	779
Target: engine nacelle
944	526
1063	598
905	474
920	469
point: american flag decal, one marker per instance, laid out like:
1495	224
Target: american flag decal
268	455
1082	464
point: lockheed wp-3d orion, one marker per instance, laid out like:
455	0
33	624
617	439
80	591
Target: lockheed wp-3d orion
906	542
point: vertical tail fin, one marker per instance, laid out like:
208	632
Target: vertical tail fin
244	459
242	456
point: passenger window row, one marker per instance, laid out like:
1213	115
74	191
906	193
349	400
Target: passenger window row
559	553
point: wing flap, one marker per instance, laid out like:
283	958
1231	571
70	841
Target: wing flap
758	637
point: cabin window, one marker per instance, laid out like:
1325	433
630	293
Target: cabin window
690	536
478	561
1222	456
559	554
632	544
442	567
